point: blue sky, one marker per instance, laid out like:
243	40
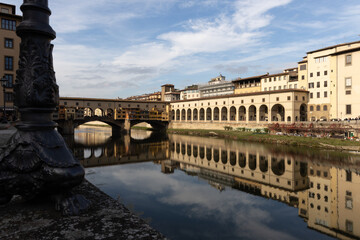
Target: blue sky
120	48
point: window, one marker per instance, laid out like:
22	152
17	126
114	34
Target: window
325	73
318	108
311	108
8	24
311	85
325	94
9	78
9	43
348	176
279	87
318	84
302	77
302	67
9	97
295	86
265	89
348	92
311	74
274	88
348	59
318	94
349	226
348	82
325	84
311	95
288	98
9	63
318	74
269	88
348	202
265	80
348	109
263	99
325	108
296	98
4	10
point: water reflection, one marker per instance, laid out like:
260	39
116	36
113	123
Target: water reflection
229	198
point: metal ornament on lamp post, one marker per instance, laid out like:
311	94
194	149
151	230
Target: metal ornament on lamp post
36	161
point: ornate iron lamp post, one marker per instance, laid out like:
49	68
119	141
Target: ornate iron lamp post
3	84
36	161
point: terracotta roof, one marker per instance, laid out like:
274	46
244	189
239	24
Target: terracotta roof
248	78
242	95
346	51
334	46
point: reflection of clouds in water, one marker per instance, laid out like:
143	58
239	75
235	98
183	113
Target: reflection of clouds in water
87	153
98	152
244	210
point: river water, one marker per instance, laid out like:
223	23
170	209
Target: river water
190	187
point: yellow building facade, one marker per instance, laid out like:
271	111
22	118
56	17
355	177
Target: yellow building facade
9	54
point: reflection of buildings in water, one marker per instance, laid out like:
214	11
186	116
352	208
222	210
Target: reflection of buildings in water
140	134
118	153
327	197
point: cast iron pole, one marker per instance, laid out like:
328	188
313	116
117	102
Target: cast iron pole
36	161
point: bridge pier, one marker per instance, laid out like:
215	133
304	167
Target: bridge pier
66	127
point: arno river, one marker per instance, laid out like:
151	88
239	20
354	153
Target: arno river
206	188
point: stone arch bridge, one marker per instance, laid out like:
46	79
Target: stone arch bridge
121	115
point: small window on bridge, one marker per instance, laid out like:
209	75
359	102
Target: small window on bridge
99	104
119	105
77	104
138	105
88	104
65	103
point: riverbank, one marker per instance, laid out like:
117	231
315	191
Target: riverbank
312	142
106	219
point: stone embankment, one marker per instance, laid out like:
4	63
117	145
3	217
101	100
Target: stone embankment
106	219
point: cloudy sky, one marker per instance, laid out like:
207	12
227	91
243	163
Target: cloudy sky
120	48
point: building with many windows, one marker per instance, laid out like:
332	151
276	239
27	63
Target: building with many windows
216	87
9	53
333	80
190	92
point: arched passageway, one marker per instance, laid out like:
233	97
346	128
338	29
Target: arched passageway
278	113
224	113
216	114
278	166
189	114
263	111
183	117
195	115
178	115
303	112
232	114
99	112
208	114
88	112
172	115
252	113
110	112
242	113
202	114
